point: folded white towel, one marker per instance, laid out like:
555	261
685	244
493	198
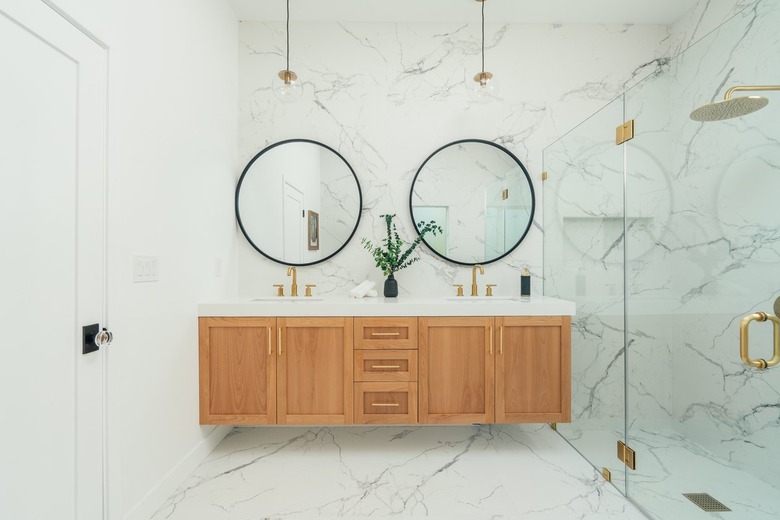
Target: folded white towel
372	293
362	289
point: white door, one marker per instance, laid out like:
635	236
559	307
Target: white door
52	261
293	224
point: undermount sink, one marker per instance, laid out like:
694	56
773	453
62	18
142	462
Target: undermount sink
474	299
288	299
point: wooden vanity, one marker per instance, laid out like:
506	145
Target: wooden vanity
312	370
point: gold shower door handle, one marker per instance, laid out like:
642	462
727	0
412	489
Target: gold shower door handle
744	340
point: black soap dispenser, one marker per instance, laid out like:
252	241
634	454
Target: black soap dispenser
525	284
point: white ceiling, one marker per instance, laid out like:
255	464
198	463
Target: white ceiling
465	11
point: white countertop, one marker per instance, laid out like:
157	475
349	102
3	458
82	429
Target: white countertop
403	306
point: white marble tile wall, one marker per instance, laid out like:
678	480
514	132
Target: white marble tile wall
387	95
705	17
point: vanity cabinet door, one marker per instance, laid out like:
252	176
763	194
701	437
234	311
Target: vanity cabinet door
456	370
533	369
237	371
314	376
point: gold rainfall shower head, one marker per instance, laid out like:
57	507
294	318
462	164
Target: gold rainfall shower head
730	107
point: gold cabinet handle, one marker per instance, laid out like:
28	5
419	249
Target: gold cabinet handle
386	366
270	346
385	333
279	340
744	340
385	405
501	341
491	341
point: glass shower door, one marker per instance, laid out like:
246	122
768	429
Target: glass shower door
583	262
702	252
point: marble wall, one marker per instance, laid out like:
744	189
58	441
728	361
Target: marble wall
387	95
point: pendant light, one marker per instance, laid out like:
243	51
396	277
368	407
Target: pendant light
285	85
483	86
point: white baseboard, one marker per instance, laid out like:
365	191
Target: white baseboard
156	496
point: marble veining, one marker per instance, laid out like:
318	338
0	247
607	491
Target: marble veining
439	472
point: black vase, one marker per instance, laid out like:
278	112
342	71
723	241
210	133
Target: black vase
391	287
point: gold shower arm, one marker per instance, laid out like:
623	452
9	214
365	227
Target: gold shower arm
749	88
744	341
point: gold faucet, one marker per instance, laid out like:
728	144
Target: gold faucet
294	288
474	291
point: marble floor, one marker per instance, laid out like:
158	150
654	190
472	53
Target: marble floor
438	472
668	465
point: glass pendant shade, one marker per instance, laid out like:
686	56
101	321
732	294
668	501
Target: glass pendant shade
286	86
483	86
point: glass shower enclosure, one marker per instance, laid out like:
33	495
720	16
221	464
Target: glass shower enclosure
666	242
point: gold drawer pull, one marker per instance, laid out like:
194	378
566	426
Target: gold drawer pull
386	366
385	333
387	405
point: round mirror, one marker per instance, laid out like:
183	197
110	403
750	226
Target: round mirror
298	202
482	197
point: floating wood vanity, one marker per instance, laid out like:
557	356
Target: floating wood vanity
413	362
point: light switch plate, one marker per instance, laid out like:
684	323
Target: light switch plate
145	269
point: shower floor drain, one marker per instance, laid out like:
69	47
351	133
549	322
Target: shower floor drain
706	502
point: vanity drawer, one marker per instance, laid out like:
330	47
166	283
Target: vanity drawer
379	333
385	403
385	365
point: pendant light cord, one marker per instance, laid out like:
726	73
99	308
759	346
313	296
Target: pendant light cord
483	36
288	36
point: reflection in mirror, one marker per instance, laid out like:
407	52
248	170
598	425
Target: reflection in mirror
298	202
480	194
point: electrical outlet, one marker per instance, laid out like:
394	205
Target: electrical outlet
145	269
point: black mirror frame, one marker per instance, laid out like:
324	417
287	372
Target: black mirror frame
530	185
271	147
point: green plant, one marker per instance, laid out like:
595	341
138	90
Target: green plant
389	256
